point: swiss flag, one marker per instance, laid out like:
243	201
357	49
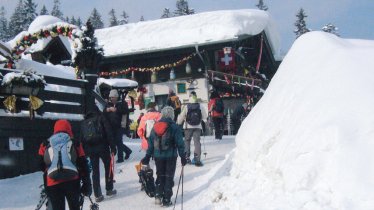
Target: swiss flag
226	60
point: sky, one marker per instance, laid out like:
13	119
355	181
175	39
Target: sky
354	18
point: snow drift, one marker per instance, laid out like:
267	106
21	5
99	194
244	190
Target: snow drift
308	144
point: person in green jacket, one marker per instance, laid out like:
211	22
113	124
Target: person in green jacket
164	144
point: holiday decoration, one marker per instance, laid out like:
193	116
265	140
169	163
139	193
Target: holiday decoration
10	103
154	77
172	74
188	68
35	103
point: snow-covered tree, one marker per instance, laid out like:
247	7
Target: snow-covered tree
330	28
73	20
183	8
90	54
141	18
124	18
113	21
67	19
17	20
56	10
30	12
166	13
300	23
79	22
44	11
261	5
95	19
4	34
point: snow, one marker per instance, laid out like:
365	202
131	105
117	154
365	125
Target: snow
66	72
117	82
127	182
308	142
186	31
42	21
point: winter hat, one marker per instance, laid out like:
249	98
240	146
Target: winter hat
167	112
113	93
63	126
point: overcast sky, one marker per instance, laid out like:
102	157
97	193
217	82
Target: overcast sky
354	18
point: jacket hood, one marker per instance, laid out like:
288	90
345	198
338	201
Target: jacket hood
63	126
162	125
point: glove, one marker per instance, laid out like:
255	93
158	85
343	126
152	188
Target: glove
183	161
86	188
113	150
146	159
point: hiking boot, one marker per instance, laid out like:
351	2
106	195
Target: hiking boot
127	154
111	192
99	199
158	201
188	160
119	161
166	203
198	163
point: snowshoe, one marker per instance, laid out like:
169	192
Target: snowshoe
146	178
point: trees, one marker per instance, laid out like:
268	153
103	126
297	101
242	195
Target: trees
261	5
300	23
124	18
4	34
113	21
330	28
17	20
183	9
44	11
30	13
56	10
95	19
166	13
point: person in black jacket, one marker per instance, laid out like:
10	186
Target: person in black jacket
96	147
239	113
114	112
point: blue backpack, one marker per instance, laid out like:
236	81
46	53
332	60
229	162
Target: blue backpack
60	157
193	114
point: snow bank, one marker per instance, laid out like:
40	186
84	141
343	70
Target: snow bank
189	30
308	144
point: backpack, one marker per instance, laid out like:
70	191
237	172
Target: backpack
176	103
60	157
218	106
164	140
148	127
92	130
193	114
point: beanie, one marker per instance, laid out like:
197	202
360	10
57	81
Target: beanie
63	126
167	112
113	93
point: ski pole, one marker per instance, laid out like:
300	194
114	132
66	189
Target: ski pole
182	186
179	182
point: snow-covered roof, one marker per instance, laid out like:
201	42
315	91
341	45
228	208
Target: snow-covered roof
117	83
184	31
60	71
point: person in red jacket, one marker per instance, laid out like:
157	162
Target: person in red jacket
152	115
70	188
216	110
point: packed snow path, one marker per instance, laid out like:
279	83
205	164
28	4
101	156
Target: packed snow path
23	192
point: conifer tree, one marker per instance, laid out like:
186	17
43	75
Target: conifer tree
89	56
183	8
79	22
73	20
67	19
113	21
95	19
17	20
141	18
4	35
30	12
56	10
166	13
300	23
261	5
44	11
330	28
124	18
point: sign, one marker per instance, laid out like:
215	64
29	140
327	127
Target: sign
15	143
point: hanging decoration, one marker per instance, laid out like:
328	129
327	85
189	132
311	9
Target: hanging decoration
172	74
35	103
226	59
133	75
260	55
151	69
188	68
10	103
154	77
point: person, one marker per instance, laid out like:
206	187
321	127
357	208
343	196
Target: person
216	109
98	143
138	123
153	116
192	116
173	101
60	182
164	144
239	112
114	112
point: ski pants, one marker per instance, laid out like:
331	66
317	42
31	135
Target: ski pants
165	171
69	190
95	161
218	127
188	134
121	148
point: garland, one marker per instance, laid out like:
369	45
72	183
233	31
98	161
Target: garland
151	69
52	30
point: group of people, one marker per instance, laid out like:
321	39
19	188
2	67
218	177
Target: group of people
101	138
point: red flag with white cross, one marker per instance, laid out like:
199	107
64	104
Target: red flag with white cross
226	58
